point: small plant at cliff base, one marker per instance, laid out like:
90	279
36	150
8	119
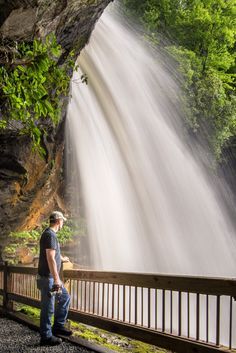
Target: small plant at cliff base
70	229
31	87
19	243
30	239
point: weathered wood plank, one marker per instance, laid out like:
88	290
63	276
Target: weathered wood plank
23	270
24	300
202	285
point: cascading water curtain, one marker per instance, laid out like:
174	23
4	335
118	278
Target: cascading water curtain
149	206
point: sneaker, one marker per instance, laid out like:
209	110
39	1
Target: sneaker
51	341
61	331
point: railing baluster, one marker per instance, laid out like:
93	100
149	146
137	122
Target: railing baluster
72	290
124	303
118	303
207	318
85	296
81	295
103	298
188	315
112	302
89	294
98	309
155	300
77	295
23	290
149	307
108	297
94	283
163	310
142	306
31	281
171	311
197	316
230	322
179	313
217	320
135	305
129	304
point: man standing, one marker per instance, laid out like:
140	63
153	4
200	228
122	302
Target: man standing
54	296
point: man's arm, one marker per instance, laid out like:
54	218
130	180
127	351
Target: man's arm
50	253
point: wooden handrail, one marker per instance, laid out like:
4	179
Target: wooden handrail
23	270
191	284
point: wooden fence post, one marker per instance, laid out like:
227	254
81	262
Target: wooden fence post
5	286
7	305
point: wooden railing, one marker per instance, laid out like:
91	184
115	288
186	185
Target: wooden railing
183	314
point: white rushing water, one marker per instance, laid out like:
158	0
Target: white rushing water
148	204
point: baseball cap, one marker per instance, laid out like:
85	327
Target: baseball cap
56	215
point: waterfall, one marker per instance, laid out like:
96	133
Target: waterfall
149	205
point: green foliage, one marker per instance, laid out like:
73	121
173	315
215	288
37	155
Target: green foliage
21	240
25	239
31	87
204	34
70	229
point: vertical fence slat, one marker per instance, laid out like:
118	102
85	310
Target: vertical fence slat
142	306
207	318
124	303
112	302
81	295
118	303
171	311
85	296
94	283
155	301
179	313
77	295
188	316
149	307
129	304
98	309
163	310
230	322
89	295
135	305
217	320
197	316
103	298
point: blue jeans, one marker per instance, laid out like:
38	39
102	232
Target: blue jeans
57	305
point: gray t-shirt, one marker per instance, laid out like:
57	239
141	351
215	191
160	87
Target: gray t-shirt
48	241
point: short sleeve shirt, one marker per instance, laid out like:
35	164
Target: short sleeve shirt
48	241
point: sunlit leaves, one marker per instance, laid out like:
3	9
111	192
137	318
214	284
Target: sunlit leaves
32	90
203	33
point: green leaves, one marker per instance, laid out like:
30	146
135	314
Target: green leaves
204	33
32	90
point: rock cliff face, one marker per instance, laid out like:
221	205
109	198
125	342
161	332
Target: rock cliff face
30	187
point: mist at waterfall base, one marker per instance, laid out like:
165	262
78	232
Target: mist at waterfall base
149	206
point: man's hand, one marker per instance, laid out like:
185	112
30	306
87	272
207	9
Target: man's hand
65	259
57	282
